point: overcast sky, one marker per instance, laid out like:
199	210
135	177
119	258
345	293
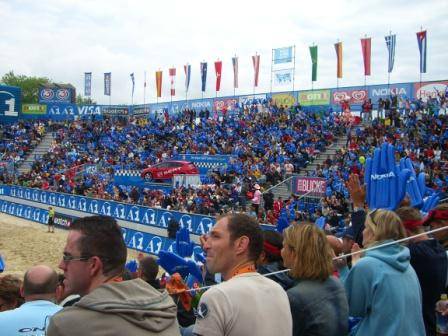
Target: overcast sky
62	39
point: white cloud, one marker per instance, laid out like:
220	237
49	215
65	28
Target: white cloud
61	39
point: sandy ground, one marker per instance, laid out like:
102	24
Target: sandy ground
25	243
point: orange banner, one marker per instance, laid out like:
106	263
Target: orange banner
338	48
159	83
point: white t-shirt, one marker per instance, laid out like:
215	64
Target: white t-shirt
247	304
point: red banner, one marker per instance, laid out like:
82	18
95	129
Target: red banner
224	105
354	96
256	64
366	44
429	89
313	186
172	73
218	69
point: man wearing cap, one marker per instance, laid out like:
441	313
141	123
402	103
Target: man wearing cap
256	200
436	219
231	308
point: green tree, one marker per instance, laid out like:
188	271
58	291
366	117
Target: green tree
29	85
84	101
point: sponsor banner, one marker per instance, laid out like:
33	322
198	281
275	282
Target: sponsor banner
314	97
10	103
34	109
115	110
354	95
383	91
88	110
63	220
249	100
315	186
197	224
206	162
285	99
141	110
62	111
225	104
283	55
429	89
24	211
283	77
201	104
48	95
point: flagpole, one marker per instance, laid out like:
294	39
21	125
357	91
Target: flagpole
388	72
294	71
272	64
421	29
312	66
144	94
364	58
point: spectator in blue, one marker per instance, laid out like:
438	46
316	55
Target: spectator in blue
382	287
33	317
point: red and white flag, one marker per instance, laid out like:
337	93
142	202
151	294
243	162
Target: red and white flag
218	71
172	73
256	63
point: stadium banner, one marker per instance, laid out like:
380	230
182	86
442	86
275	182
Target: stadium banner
197	224
283	77
427	90
62	111
34	110
10	103
356	95
314	97
283	55
115	110
140	110
225	104
315	186
251	99
63	219
24	211
206	162
286	99
383	91
56	95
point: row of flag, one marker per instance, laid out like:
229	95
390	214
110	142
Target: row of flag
286	57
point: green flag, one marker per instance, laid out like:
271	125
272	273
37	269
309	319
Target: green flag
313	53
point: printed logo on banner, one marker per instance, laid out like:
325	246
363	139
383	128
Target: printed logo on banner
4	206
284	99
354	96
429	90
43	197
201	105
2	191
136	241
72	203
154	246
386	92
61	201
11	208
82	204
315	185
35	196
62	110
28	213
89	110
186	221
165	219
149	217
93	207
106	209
314	97
13	192
62	94
204	226
36	215
34	109
27	194
52	199
62	220
225	104
120	211
124	232
20	193
250	99
47	94
19	210
133	214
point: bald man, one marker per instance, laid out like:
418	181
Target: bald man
32	318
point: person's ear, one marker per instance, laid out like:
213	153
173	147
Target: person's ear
96	266
22	291
242	245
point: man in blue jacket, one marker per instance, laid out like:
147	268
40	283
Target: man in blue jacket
32	318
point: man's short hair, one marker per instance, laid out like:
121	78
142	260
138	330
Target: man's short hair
149	268
102	237
10	290
47	286
239	225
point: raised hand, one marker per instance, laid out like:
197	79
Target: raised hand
357	192
184	246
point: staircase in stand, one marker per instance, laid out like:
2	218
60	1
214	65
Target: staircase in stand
41	149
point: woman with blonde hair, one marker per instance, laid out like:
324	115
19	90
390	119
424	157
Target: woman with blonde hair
382	287
318	300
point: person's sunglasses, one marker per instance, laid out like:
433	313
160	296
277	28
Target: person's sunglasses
68	257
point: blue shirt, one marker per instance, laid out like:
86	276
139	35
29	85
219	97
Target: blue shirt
31	318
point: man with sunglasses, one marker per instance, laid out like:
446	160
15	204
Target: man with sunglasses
93	263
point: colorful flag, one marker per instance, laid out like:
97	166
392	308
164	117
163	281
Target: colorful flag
203	75
235	71
283	77
87	84
421	39
390	43
107	83
218	70
256	63
133	83
313	53
283	55
366	46
172	73
159	83
187	69
338	48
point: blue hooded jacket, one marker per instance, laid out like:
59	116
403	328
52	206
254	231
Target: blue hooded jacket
383	290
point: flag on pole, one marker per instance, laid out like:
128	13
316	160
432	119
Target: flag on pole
144	83
235	71
218	69
338	48
107	83
366	46
313	53
187	69
256	64
159	83
390	43
87	84
421	39
133	83
172	73
203	75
